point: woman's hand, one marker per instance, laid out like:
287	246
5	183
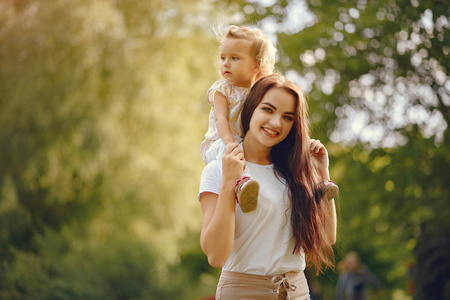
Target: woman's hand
320	160
233	162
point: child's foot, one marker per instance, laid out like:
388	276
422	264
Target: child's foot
329	190
247	191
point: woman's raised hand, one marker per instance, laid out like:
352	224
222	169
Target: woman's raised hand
233	162
319	156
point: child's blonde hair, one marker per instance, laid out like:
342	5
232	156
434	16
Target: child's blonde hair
263	50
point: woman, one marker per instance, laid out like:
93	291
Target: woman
263	253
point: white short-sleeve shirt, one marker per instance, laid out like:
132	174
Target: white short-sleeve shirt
263	242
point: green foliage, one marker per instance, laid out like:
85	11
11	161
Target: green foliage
376	73
102	111
101	121
69	266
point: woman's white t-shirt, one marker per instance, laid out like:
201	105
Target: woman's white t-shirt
263	243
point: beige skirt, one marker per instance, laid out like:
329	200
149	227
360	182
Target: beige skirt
233	286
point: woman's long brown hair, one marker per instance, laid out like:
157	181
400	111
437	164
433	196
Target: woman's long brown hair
292	161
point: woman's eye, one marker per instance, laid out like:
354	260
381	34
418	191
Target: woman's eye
235	58
288	118
266	109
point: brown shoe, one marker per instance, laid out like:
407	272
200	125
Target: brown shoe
247	192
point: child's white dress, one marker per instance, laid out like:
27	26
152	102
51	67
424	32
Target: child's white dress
213	147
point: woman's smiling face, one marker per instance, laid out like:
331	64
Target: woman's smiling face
273	118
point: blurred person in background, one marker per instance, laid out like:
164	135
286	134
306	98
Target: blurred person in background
355	279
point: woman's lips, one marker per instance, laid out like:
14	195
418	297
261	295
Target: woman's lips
270	132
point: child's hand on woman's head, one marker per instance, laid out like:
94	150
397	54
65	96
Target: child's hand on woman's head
319	156
233	162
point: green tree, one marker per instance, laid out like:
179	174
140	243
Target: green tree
100	117
376	73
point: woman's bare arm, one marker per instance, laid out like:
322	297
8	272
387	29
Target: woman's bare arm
321	162
218	226
330	221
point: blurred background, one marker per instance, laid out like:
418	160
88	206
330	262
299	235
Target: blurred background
103	108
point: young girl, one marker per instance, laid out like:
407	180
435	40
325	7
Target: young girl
246	55
263	254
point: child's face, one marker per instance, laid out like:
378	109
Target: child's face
237	64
